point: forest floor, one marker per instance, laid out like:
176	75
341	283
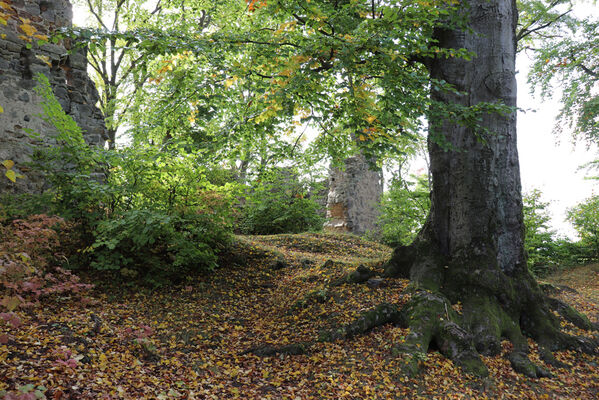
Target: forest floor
192	342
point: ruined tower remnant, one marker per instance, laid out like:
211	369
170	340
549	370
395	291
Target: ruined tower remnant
354	195
25	50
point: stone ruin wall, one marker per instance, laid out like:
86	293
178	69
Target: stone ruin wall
354	196
19	65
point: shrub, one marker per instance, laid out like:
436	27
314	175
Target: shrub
19	206
29	267
30	258
545	251
540	243
404	208
279	202
585	218
157	246
144	211
73	170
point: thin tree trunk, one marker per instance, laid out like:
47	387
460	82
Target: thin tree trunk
111	132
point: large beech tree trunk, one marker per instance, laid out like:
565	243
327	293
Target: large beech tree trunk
476	199
471	251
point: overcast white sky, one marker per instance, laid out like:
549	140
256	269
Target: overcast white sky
545	164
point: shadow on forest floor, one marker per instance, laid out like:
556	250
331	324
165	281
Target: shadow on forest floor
196	341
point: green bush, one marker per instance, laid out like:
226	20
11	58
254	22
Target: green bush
158	246
166	221
404	208
542	248
279	202
19	206
146	211
585	218
545	251
73	170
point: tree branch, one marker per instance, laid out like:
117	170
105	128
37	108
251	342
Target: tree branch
526	31
95	14
589	71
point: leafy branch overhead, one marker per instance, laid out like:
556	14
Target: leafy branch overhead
356	72
568	58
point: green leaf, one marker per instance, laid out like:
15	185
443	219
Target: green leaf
26	388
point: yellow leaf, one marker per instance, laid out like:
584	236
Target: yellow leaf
10	174
45	59
362	138
3	21
301	59
40	37
4	5
1	110
230	82
370	119
103	361
28	29
8	164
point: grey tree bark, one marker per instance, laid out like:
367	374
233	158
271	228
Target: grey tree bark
477	205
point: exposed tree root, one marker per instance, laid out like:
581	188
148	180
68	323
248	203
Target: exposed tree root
270	351
432	321
319	296
383	314
571	315
359	275
553	289
494	307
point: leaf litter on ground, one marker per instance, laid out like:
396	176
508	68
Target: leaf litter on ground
192	342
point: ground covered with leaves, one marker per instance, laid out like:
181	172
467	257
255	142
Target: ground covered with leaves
251	329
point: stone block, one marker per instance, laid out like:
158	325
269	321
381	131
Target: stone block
78	61
53	49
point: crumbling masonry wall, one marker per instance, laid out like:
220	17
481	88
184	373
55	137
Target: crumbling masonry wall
354	196
24	26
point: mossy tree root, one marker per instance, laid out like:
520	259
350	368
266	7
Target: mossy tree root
432	321
271	351
571	315
384	313
360	275
495	306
